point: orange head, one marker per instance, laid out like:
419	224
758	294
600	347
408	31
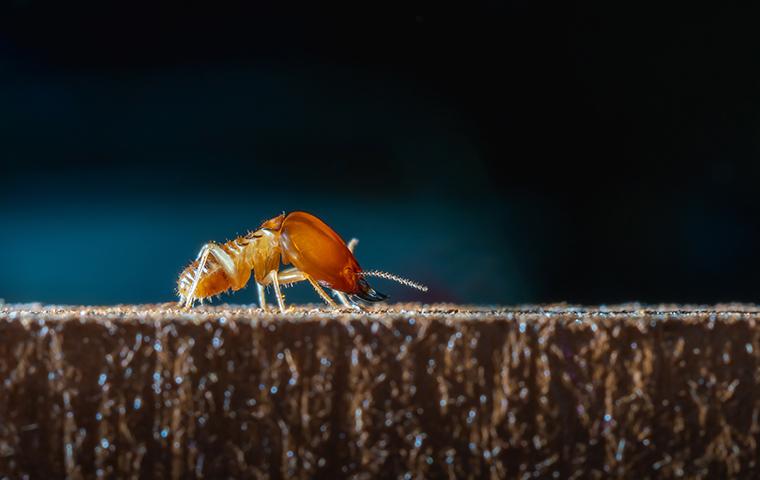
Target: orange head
318	251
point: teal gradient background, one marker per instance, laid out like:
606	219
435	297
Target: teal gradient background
498	152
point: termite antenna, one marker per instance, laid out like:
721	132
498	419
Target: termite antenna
395	278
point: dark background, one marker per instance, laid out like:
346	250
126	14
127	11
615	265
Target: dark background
501	152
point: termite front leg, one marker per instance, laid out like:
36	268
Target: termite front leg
290	275
321	292
346	302
293	275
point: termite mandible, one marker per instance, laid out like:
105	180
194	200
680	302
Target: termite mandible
318	255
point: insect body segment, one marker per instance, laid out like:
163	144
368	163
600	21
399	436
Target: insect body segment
313	247
318	255
217	269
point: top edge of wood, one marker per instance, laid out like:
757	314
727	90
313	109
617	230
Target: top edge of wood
383	311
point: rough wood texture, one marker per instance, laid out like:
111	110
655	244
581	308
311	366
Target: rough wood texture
436	391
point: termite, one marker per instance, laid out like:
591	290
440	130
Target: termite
318	255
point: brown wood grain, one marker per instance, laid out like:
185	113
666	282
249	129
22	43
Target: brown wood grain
439	391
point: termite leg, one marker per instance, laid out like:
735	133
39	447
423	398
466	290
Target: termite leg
277	291
201	265
262	296
211	248
291	275
342	296
203	256
321	292
345	301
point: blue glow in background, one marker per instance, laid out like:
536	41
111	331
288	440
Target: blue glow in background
498	152
174	159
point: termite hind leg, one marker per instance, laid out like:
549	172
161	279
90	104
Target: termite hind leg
277	291
203	258
211	248
262	296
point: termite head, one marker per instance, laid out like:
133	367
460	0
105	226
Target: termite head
324	257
